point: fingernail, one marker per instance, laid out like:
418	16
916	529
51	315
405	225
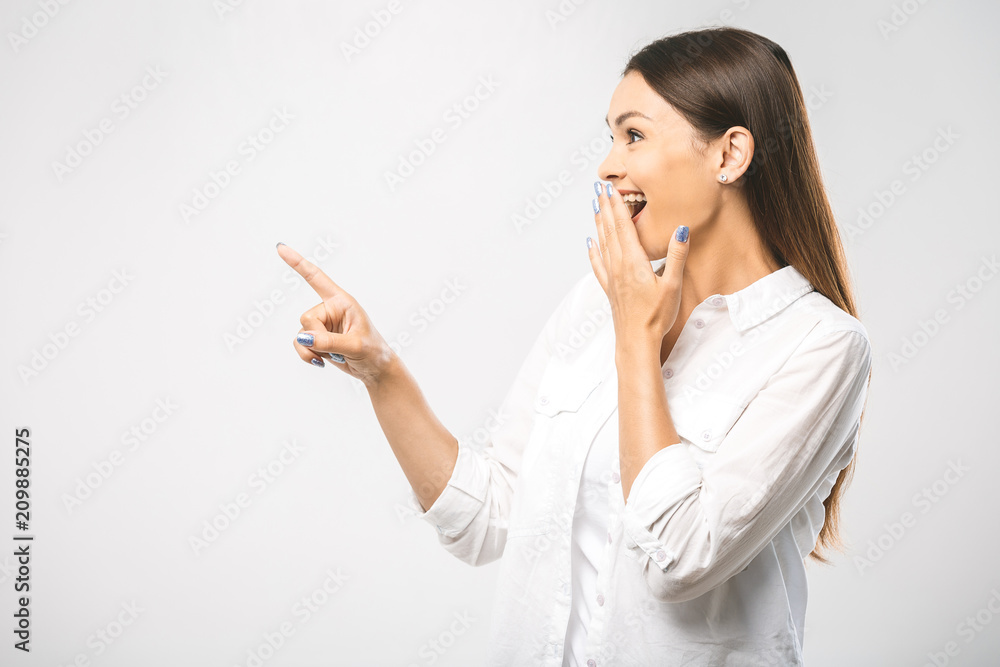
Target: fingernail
339	358
316	361
597	188
597	207
305	339
589	243
279	243
610	189
682	234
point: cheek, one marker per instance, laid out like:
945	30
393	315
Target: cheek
683	195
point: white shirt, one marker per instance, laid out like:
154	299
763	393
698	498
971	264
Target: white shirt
705	564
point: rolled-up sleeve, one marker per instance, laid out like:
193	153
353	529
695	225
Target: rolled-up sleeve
695	528
471	514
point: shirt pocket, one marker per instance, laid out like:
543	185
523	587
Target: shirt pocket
563	389
706	420
562	392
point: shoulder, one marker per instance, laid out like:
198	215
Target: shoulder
828	325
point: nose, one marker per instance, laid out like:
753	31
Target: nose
611	168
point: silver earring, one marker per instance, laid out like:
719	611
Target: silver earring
722	177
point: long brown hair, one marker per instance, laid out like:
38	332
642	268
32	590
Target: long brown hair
717	78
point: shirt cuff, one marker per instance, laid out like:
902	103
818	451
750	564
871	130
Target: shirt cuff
666	480
462	497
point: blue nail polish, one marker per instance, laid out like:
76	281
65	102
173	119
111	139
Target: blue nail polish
682	234
589	243
279	243
305	339
597	188
597	207
610	190
318	362
339	358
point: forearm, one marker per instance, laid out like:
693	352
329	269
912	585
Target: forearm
644	423
424	448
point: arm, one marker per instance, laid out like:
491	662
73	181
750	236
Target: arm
644	423
794	434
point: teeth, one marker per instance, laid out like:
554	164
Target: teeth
634	197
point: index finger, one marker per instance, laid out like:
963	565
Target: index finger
627	236
318	280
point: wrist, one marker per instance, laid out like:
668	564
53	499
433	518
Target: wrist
640	350
388	369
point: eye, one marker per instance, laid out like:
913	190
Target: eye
630	133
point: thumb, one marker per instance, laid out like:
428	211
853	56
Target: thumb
320	340
677	253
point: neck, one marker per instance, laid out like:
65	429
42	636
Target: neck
725	257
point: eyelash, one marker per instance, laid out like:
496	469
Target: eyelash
629	132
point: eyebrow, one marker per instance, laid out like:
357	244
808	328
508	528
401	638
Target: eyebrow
625	116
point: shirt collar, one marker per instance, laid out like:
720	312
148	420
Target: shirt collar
762	299
766	297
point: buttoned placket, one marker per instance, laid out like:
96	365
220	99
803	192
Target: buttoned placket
616	500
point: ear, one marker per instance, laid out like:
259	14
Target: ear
737	152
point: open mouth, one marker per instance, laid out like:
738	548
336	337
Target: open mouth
635	203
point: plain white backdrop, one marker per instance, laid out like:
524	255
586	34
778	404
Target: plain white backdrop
151	156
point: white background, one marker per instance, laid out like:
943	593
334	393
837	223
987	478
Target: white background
877	99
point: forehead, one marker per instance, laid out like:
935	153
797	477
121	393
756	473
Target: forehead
633	94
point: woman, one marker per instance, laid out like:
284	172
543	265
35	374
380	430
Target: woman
660	476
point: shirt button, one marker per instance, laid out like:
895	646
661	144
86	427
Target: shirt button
591	663
668	372
600	600
706	436
717	301
544	400
615	477
699	323
660	555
